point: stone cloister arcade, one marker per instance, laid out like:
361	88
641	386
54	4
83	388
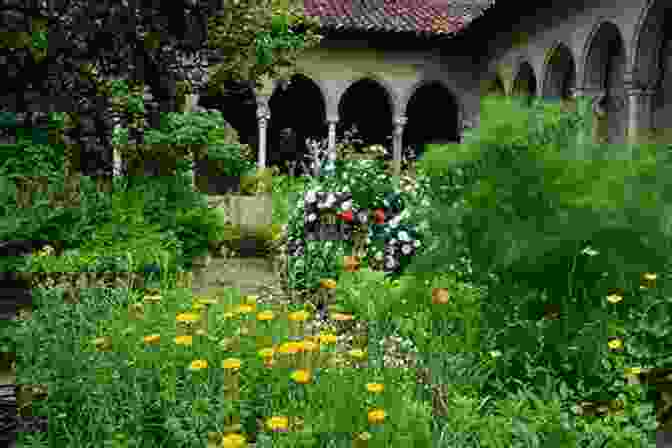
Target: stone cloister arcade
628	78
427	113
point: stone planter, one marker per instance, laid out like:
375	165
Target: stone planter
249	213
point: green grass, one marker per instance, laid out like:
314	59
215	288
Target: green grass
140	394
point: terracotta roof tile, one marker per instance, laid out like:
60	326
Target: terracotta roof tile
418	16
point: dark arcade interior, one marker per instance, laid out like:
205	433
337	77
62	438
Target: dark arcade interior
299	107
432	114
366	104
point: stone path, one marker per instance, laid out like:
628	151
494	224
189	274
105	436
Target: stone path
252	275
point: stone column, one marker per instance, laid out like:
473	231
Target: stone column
263	115
640	114
399	124
331	122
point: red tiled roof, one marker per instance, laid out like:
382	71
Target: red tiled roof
436	17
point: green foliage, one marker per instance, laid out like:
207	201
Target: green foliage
539	196
228	160
196	227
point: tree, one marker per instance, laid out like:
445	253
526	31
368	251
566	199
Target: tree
91	43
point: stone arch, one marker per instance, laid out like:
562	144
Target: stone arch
559	72
525	81
604	70
434	115
300	107
392	97
602	40
651	63
370	105
646	43
324	91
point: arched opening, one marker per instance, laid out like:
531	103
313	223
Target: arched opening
605	63
366	105
432	113
560	74
662	100
301	108
525	84
239	108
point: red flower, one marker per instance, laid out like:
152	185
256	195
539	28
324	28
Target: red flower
346	216
379	216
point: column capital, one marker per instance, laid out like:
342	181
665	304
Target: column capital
263	111
639	91
400	121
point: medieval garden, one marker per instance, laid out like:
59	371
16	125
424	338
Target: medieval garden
350	251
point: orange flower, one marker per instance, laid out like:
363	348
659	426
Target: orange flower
440	296
350	263
328	283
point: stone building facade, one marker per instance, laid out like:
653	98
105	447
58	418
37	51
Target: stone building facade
409	73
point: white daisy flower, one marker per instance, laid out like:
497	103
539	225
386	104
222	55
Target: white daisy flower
347	205
394	222
331	199
403	236
406	249
310	196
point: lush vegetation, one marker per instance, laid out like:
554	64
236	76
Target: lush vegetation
523	301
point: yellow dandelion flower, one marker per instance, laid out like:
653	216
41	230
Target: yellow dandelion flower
376	416
650	277
301	376
152	339
265	315
328	338
615	343
198	364
184	340
328	283
244	309
233	441
298	316
187	317
231	364
357	353
266	352
290	348
309	346
277	423
614	298
374	387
